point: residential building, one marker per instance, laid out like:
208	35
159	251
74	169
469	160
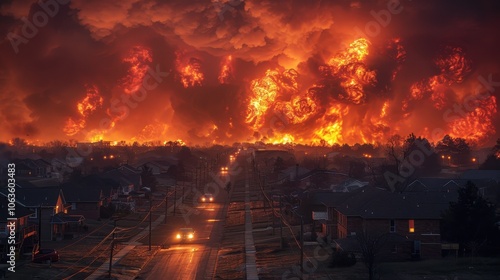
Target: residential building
25	233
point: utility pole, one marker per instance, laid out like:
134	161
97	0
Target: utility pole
40	227
166	208
272	210
281	225
182	197
150	218
301	247
175	198
111	252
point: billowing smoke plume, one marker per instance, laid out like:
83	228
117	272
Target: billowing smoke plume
221	71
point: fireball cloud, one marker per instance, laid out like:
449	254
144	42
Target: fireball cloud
311	72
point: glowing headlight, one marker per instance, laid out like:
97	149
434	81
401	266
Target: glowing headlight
178	236
190	236
211	199
203	199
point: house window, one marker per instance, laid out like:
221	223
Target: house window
73	206
393	226
411	225
394	249
34	215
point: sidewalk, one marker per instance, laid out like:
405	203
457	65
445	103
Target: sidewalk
251	266
130	245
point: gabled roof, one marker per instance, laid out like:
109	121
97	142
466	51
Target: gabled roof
435	184
34	197
124	176
349	185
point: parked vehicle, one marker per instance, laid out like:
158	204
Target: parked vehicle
44	255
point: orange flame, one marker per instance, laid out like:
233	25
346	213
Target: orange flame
226	70
348	65
89	104
190	72
138	58
330	125
476	125
265	91
453	66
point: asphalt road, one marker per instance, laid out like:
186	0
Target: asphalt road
190	259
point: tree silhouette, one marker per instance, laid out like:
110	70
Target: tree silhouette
456	148
470	220
148	179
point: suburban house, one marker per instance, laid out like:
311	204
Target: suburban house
412	219
157	167
33	168
49	211
26	234
127	177
87	195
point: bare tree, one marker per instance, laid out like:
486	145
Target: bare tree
371	246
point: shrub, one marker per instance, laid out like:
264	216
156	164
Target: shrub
343	259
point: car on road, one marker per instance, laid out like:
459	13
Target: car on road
207	197
185	234
44	255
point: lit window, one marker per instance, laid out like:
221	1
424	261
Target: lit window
411	225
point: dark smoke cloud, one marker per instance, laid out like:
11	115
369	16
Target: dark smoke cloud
84	44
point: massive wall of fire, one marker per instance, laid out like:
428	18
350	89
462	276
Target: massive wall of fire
232	71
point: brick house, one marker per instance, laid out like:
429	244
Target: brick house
414	216
88	194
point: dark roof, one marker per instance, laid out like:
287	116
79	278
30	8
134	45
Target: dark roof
330	199
435	184
390	205
291	172
481	174
88	189
34	197
62	218
374	203
124	176
20	210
